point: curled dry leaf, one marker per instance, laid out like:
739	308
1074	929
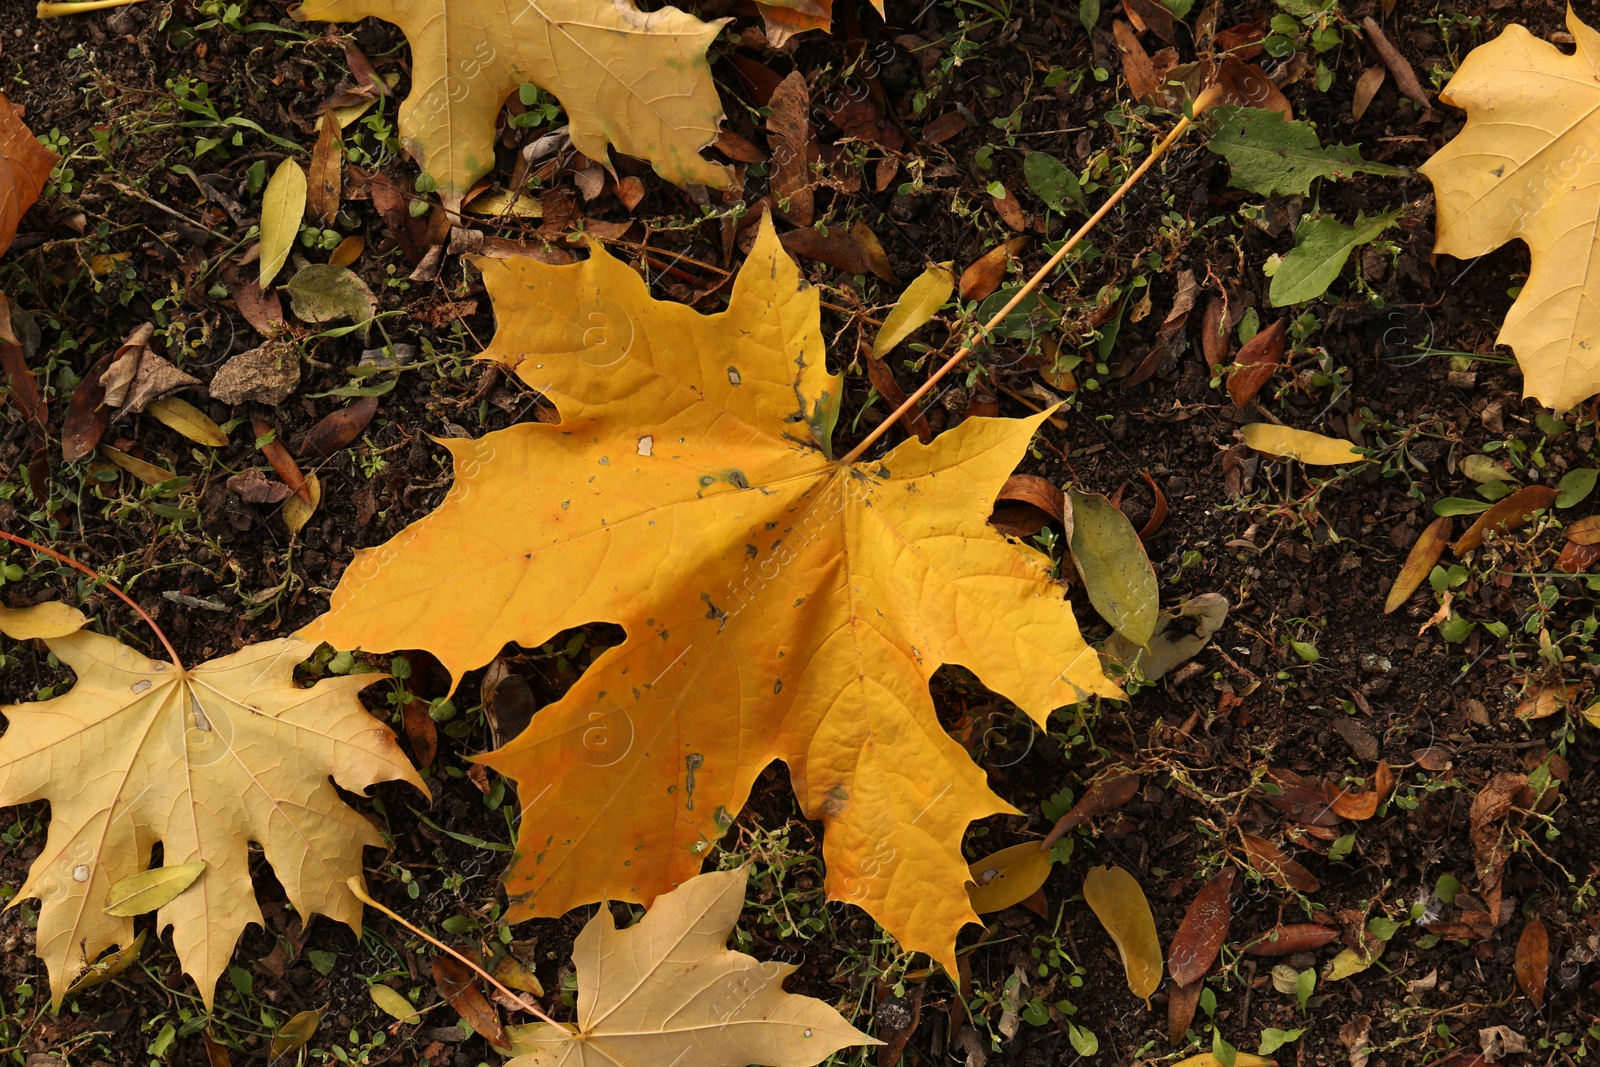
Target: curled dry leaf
261	758
984	276
1532	961
1174	642
1312	449
1358	807
1026	504
1007	877
1120	905
457	984
637	80
1110	558
667	990
1256	363
1200	936
793	140
1419	562
254	487
1299	799
920	302
1512	513
1272	863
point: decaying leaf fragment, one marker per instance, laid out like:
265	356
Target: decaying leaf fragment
1519	170
777	604
202	760
637	80
668	990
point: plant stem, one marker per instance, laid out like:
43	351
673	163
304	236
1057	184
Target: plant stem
366	898
1206	99
97	576
54	10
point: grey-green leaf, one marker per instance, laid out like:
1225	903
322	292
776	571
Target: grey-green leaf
320	293
149	890
1052	182
1576	486
1270	155
1111	560
1322	245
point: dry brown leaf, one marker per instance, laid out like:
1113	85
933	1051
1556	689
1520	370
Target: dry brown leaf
25	166
1105	794
279	457
1576	558
1419	562
457	984
87	415
1271	862
1511	513
1182	1001
1200	936
989	270
837	248
203	760
684	463
668	991
1358	807
1532	961
793	140
325	180
1286	940
1136	66
338	429
1367	87
1247	85
637	80
1256	363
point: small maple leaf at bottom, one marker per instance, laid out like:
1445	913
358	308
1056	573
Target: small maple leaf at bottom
779	604
203	761
667	991
1524	167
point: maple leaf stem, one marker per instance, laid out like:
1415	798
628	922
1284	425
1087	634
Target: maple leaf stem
1205	100
366	898
97	576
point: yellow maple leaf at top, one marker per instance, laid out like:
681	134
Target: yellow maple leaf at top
1527	165
203	761
628	78
779	604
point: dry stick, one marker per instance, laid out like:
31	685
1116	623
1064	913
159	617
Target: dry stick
97	576
366	898
1205	100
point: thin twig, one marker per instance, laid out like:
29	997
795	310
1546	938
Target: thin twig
97	576
1205	100
366	898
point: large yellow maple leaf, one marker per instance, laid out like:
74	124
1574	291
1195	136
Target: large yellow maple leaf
667	990
778	604
1527	166
203	761
628	78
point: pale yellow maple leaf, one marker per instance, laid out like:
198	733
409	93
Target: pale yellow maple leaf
1527	166
636	80
779	604
668	991
204	761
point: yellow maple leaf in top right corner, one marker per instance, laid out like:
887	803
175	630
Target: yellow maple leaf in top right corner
1527	166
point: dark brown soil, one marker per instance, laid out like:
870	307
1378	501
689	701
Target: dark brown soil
1300	561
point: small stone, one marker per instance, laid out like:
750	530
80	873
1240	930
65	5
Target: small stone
267	375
